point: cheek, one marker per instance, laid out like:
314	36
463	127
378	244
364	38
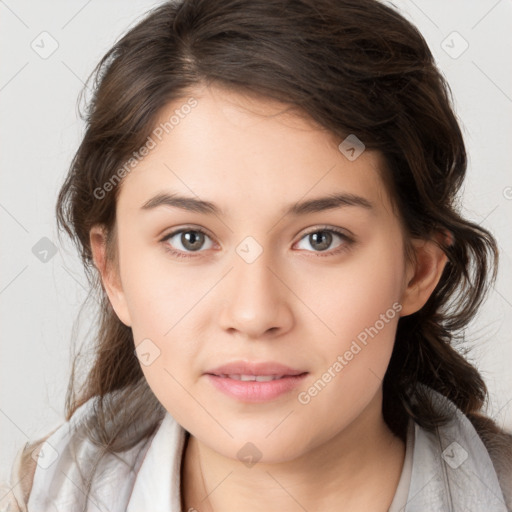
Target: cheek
168	351
158	292
161	309
361	310
354	295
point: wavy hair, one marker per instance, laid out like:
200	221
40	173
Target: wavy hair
352	66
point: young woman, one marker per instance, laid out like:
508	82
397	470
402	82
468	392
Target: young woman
266	197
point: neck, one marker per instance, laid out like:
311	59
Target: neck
359	467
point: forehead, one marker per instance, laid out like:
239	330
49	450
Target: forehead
247	153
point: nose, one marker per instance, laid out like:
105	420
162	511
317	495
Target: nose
256	299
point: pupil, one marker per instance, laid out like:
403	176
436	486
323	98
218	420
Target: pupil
191	238
317	239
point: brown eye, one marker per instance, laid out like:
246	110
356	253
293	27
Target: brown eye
192	240
322	239
186	240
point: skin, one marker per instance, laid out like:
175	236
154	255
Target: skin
292	305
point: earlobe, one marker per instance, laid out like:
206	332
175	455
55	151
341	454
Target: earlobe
424	275
109	275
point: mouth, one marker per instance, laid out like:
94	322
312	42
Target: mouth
253	378
255	382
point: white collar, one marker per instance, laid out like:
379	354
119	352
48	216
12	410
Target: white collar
158	479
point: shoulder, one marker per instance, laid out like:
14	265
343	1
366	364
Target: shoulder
489	445
498	443
14	493
95	470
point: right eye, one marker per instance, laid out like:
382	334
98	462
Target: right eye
191	240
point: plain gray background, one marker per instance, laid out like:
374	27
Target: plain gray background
40	131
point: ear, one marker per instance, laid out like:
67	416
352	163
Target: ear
423	274
109	273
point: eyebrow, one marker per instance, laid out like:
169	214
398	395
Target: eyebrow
319	204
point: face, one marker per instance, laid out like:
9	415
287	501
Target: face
262	276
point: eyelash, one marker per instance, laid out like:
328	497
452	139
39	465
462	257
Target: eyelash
348	241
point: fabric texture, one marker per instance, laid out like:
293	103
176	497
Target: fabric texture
446	470
402	491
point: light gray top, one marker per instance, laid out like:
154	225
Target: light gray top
444	471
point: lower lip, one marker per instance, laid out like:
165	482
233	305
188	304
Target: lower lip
253	391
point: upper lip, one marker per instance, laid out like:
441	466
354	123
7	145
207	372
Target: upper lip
253	368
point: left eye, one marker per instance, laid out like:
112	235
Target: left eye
321	239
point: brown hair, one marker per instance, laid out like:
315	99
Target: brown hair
352	66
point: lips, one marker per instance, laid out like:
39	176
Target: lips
255	382
264	369
253	378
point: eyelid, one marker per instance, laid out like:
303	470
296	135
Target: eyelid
187	227
325	227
